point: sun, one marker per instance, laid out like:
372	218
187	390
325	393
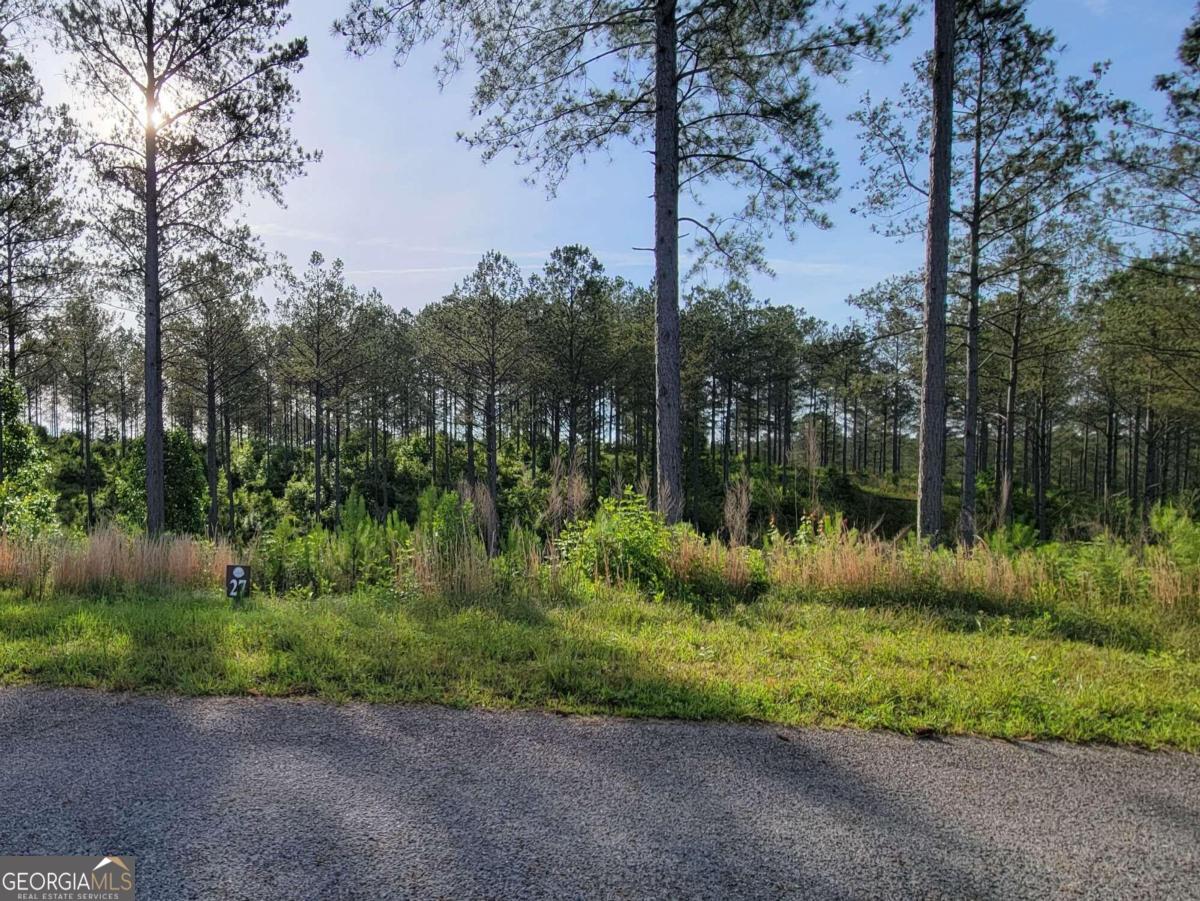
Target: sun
153	118
104	116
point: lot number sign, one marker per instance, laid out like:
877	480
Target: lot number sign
237	581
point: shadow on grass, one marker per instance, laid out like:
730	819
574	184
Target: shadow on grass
978	612
359	647
389	649
485	798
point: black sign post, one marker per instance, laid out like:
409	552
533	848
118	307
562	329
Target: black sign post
237	582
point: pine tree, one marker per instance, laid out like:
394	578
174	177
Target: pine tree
723	92
200	98
1024	144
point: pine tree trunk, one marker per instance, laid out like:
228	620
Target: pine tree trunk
489	421
87	449
966	517
896	434
1004	502
1134	463
228	465
155	488
210	454
10	300
533	436
725	436
337	466
668	469
931	452
318	445
1153	450
619	486
470	409
1039	485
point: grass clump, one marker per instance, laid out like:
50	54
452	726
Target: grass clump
625	541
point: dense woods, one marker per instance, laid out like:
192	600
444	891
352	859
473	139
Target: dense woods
149	383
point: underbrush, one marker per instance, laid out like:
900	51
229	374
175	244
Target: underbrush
621	613
626	543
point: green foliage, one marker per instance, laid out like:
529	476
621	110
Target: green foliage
407	476
1017	537
17	436
625	541
1178	533
363	551
186	488
359	553
27	506
444	518
298	497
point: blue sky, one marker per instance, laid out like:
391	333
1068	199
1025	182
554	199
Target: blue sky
410	209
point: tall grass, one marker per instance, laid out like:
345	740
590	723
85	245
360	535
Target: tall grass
455	553
110	561
1103	570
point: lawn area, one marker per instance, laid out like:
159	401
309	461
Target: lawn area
1126	673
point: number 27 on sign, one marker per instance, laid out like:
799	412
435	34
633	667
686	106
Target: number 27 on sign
237	581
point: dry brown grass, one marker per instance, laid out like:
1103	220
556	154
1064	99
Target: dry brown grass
483	507
696	560
27	565
858	563
1170	586
223	554
737	511
455	567
110	561
569	493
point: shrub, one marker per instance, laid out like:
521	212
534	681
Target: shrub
1009	540
298	497
1178	534
625	541
1102	569
361	550
27	506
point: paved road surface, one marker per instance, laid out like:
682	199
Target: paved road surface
246	798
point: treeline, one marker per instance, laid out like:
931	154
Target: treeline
512	380
1068	399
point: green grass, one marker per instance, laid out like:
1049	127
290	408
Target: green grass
1124	674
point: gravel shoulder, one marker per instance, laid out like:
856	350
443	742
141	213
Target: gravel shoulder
255	798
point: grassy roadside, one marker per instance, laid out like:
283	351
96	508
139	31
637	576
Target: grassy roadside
1126	674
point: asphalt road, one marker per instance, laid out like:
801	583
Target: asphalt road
250	798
